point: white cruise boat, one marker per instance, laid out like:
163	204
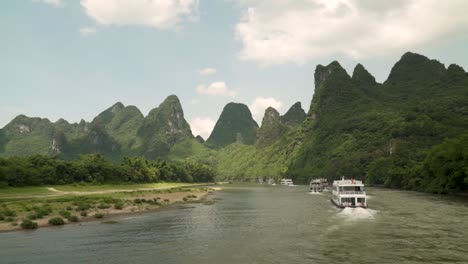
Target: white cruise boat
316	185
287	182
349	193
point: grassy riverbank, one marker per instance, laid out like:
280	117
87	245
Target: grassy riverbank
25	207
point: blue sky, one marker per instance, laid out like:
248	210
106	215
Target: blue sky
73	59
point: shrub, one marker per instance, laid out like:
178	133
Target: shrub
65	214
43	211
119	206
73	218
9	212
103	206
56	221
32	216
84	213
10	219
69	208
28	224
185	199
137	201
99	215
2	217
83	207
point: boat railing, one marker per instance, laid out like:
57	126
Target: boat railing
350	192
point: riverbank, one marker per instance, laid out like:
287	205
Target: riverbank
97	205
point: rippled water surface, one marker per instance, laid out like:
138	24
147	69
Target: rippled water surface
262	224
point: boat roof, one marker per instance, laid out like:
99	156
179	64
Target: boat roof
348	183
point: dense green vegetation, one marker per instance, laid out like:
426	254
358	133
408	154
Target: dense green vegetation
404	133
41	170
384	133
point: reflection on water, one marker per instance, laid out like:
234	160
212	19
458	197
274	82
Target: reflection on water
262	224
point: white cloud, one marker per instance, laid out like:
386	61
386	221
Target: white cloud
202	126
281	31
86	31
260	104
54	3
160	14
216	88
207	71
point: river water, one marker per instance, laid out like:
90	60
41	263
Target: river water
262	224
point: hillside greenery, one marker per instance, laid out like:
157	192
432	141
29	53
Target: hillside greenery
382	133
408	132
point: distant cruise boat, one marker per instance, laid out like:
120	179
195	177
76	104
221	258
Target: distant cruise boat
349	193
287	182
317	185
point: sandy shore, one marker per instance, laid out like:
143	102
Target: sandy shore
168	199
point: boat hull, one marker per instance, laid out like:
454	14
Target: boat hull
338	205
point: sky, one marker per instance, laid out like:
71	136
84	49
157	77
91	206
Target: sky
73	59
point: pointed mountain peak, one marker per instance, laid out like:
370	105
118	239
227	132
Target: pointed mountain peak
235	122
270	116
172	98
117	106
272	128
362	76
332	71
295	115
416	67
62	121
164	126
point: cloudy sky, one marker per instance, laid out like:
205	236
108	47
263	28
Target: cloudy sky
73	59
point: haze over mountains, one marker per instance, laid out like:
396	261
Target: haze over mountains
353	124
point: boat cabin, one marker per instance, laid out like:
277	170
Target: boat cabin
349	193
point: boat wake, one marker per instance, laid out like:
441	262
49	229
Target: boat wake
357	213
315	193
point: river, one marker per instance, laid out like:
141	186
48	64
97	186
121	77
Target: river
262	224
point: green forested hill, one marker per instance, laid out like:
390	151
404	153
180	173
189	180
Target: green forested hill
407	132
278	140
235	124
117	132
358	126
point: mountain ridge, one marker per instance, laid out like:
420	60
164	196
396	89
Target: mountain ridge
354	127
